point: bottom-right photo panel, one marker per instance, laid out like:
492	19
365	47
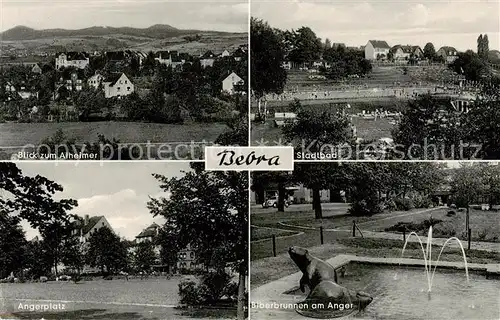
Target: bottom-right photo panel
376	240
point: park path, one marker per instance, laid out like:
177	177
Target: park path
475	245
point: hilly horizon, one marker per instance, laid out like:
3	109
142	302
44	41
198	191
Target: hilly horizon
155	31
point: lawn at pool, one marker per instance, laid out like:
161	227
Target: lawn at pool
116	299
20	134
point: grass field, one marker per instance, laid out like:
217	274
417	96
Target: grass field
367	129
209	41
19	134
266	233
115	299
381	76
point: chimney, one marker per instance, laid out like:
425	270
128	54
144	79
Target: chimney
86	219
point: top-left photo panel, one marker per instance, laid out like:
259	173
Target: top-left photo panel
122	79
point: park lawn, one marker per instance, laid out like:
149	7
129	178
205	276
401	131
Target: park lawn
483	224
269	269
266	233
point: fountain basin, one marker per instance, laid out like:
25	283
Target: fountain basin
399	288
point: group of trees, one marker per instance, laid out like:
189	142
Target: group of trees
370	187
344	62
209	212
431	128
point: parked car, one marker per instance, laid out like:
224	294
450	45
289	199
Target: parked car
273	202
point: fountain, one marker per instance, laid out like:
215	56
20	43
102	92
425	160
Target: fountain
428	256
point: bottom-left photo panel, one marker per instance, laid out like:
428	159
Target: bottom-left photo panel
122	240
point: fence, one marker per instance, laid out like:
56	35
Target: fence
279	243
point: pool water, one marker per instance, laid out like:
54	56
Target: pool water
401	293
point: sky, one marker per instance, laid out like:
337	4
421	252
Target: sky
214	15
118	191
454	23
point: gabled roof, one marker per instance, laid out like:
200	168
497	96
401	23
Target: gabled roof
86	228
379	44
447	50
116	55
208	55
149	231
74	55
406	48
229	75
113	78
239	53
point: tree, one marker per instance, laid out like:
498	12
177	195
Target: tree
267	56
320	176
12	245
262	181
238	133
145	256
328	44
209	212
471	65
307	47
430	51
430	128
314	131
106	251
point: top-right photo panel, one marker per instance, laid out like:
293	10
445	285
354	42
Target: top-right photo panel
379	80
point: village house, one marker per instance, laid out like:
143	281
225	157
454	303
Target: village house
231	82
36	69
67	84
207	59
21	90
186	260
148	235
225	53
287	65
120	85
171	58
449	54
239	54
86	227
376	49
72	59
400	52
95	81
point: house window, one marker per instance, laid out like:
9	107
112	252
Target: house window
125	81
128	88
118	88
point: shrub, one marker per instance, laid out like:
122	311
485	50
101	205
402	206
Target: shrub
211	289
365	208
451	213
422	202
109	277
189	293
404	204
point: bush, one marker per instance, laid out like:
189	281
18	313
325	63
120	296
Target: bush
404	204
211	289
189	293
365	208
422	202
109	277
451	213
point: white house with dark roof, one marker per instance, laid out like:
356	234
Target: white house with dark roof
449	54
86	227
230	83
376	49
207	59
72	59
118	86
148	235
